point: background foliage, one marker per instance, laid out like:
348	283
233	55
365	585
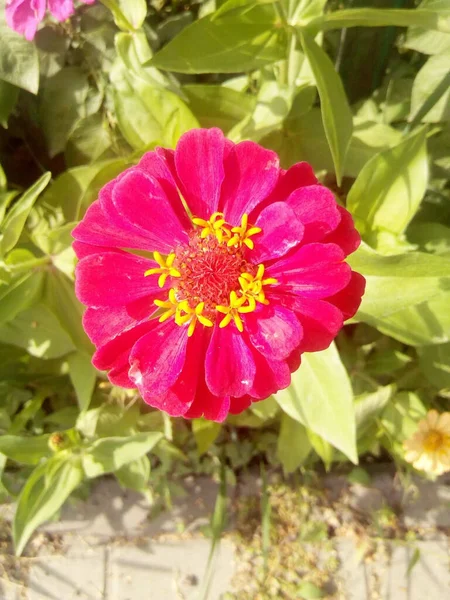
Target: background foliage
358	89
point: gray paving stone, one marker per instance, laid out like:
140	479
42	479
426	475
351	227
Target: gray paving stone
351	578
167	571
78	574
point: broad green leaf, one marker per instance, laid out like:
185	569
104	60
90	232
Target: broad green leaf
15	219
303	138
45	491
320	396
218	106
394	283
38	331
62	104
148	115
107	455
3	181
390	187
135	475
129	15
273	104
242	35
26	450
424	40
205	434
400	417
8	98
434	73
83	376
293	445
369	406
60	298
19	63
89	141
435	363
309	591
373	17
336	114
5	200
322	448
430	237
20	294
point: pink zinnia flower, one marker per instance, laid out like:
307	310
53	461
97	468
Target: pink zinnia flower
24	16
247	273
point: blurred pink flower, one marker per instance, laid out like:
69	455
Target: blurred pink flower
24	16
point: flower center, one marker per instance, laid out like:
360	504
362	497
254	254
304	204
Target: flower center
210	276
434	441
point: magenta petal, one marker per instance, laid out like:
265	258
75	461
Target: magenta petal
345	235
281	231
271	376
141	200
321	321
114	279
106	322
229	363
251	173
158	358
24	16
297	176
274	331
160	165
316	208
238	405
213	408
115	353
314	270
199	164
61	9
348	300
97	229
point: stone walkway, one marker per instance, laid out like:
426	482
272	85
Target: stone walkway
108	549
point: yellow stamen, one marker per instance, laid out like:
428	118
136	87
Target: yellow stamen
252	286
165	268
233	311
215	226
172	306
243	233
192	316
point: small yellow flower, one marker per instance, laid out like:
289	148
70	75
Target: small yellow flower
429	448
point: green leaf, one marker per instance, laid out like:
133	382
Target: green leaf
148	115
400	417
394	283
242	35
45	491
8	98
26	450
17	216
293	446
218	106
369	406
434	73
205	433
62	104
88	141
309	591
83	376
107	455
323	449
374	17
20	294
129	15
390	187
38	331
424	40
435	364
320	396
336	114
135	475
360	476
19	62
60	298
